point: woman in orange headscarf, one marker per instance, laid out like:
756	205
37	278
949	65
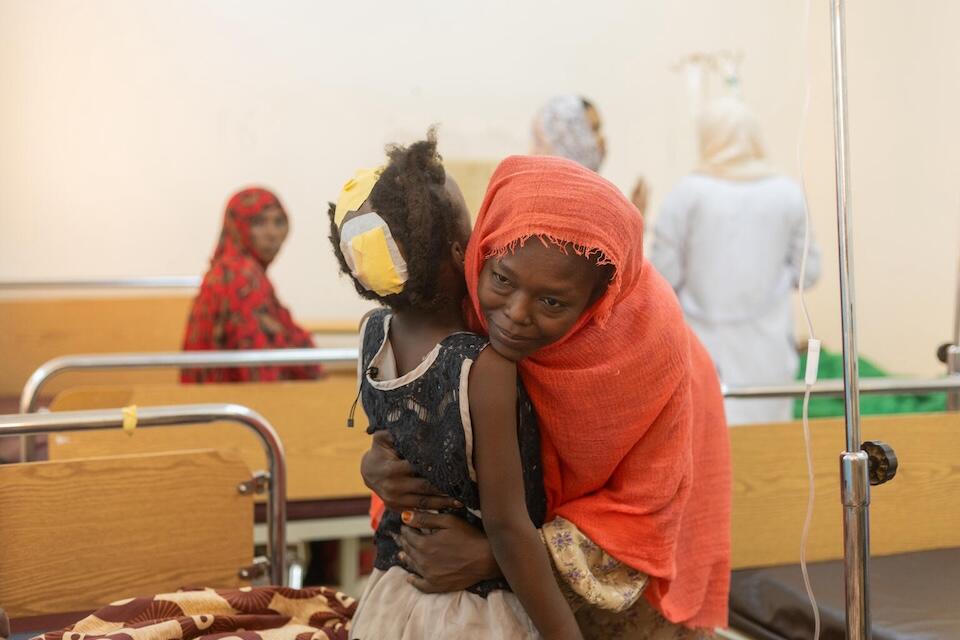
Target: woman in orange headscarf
635	451
237	307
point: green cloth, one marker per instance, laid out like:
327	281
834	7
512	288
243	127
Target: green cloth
831	368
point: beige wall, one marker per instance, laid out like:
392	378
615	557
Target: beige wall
125	124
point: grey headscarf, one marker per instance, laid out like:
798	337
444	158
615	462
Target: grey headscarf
561	128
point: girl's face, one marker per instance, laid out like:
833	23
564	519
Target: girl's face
532	297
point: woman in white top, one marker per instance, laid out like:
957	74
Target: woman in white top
729	239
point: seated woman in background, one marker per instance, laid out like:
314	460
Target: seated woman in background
237	307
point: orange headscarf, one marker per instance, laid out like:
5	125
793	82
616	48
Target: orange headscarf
635	446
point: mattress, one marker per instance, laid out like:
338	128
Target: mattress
913	596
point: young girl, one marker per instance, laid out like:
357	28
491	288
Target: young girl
454	408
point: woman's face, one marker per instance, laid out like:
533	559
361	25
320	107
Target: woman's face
531	298
268	230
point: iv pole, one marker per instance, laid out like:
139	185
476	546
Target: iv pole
856	473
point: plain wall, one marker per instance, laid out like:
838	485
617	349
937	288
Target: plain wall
126	124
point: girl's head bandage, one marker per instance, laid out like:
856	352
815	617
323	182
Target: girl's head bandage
366	243
372	254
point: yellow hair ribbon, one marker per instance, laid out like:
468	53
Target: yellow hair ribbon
355	192
129	419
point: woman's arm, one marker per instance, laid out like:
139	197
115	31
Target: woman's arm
515	541
393	480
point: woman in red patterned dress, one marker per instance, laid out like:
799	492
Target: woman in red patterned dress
237	307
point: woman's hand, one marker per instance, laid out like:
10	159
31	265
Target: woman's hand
393	479
446	552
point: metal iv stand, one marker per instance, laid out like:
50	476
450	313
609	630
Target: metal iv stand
861	464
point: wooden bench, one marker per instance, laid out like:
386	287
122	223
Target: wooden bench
76	534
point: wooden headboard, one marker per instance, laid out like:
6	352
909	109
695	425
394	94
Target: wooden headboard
33	331
76	534
918	510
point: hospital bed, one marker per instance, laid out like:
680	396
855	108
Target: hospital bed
769	488
327	498
77	534
915	530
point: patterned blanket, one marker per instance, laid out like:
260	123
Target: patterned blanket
250	613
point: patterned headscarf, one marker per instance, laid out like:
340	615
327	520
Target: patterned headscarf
237	307
561	128
243	206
